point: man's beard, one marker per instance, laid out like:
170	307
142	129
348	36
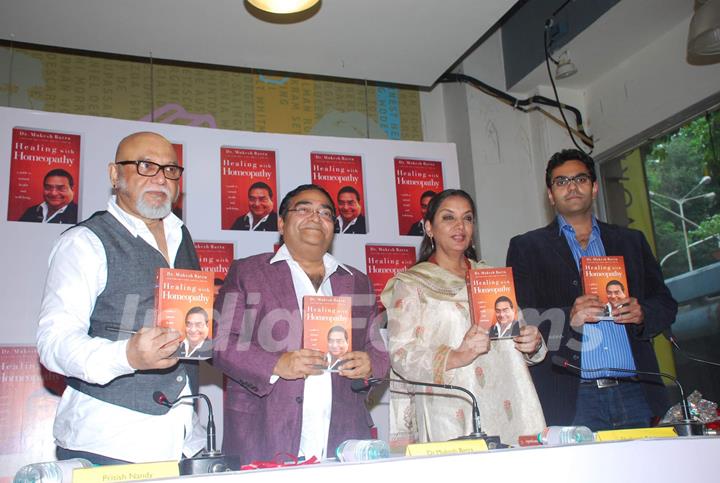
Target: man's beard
146	209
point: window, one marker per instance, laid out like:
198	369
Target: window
669	189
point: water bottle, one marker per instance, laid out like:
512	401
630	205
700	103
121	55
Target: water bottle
559	435
362	450
50	472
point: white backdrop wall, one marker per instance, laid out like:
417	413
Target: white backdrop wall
24	247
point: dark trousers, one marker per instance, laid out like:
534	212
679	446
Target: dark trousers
617	407
96	459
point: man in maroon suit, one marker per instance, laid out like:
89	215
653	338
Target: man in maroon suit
279	398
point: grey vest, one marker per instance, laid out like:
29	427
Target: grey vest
128	301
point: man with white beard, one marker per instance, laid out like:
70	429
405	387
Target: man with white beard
96	320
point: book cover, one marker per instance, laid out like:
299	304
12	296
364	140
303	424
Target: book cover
248	189
179	204
415	179
493	306
44	177
342	177
382	262
184	302
28	402
216	258
605	277
327	326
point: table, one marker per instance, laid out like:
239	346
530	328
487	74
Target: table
651	460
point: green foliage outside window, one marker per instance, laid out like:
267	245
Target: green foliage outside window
675	164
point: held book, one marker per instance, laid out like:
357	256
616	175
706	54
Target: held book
327	327
184	302
605	277
493	306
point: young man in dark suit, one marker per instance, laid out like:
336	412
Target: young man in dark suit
545	266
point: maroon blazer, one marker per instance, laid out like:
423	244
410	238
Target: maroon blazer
259	319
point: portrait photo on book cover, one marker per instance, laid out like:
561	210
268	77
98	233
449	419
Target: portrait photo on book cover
197	344
57	205
507	324
337	345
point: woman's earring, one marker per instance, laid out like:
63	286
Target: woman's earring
432	243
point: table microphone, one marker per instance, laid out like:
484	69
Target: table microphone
686	427
493	442
210	460
669	336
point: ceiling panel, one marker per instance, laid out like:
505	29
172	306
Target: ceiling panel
399	41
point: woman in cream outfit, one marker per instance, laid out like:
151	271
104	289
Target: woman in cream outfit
432	339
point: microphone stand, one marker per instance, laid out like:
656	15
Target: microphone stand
686	427
493	442
670	337
210	460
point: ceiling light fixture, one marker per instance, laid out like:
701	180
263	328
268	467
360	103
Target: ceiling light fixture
283	6
565	67
563	71
704	34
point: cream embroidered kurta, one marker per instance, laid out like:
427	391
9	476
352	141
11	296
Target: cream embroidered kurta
428	315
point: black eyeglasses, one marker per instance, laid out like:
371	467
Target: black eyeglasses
150	169
580	180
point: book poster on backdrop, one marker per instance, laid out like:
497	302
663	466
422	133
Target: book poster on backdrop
327	327
383	262
342	177
416	181
184	302
30	395
248	189
605	277
493	306
215	257
179	204
44	176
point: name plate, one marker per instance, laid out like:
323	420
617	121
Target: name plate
640	433
446	447
129	472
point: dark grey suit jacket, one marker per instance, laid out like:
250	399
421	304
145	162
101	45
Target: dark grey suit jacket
259	320
547	277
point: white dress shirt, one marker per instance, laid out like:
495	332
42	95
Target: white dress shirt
251	220
317	396
77	275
